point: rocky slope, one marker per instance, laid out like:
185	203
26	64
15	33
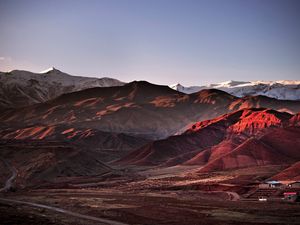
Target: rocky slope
22	88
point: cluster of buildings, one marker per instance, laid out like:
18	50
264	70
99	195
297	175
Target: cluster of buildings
275	190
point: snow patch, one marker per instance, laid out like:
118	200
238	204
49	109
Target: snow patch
48	70
282	89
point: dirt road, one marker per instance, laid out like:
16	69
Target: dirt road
9	182
66	212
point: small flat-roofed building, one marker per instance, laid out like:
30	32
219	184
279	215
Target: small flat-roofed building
262	198
295	184
291	196
270	184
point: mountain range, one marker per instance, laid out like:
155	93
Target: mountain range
20	88
284	89
138	109
91	130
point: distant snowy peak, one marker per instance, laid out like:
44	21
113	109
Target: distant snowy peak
283	89
49	70
21	88
230	83
233	84
178	87
187	90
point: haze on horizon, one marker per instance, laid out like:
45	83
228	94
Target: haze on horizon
192	42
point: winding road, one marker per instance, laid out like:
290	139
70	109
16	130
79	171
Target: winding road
66	212
9	184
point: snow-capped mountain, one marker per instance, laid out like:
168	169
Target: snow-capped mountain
284	89
21	88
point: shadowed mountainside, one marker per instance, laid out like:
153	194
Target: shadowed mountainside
37	162
138	108
86	137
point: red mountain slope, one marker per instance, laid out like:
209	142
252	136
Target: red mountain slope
295	120
279	146
160	151
214	152
212	138
291	173
247	121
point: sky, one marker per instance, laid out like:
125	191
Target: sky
192	42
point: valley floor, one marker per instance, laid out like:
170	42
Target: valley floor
152	196
167	207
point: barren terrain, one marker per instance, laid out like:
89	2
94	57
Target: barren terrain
176	195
